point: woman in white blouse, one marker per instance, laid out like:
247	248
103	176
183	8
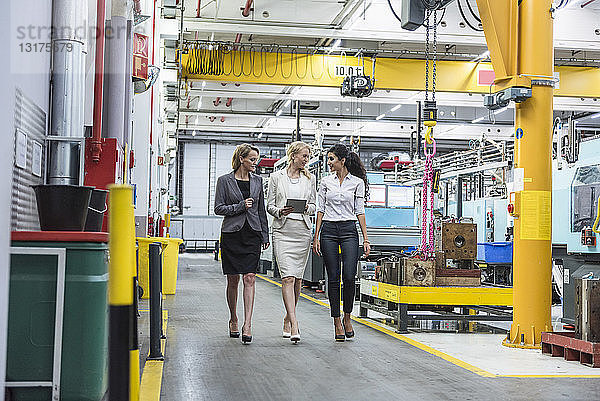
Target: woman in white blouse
341	202
292	231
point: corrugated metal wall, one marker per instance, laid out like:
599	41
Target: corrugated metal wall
29	167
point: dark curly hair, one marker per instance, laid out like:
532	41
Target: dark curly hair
353	163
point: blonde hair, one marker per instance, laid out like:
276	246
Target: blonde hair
242	150
294	148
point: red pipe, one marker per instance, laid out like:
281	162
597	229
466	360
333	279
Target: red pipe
246	10
198	9
222	119
217	101
229	101
96	143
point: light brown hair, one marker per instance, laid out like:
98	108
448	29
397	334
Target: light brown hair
242	150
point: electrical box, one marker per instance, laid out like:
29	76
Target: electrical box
413	12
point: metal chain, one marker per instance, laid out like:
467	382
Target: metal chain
427	55
427	227
434	55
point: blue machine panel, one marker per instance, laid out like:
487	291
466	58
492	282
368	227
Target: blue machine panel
384	217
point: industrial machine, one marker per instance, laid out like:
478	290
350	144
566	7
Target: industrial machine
576	188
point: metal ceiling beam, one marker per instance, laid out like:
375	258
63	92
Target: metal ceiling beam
308	31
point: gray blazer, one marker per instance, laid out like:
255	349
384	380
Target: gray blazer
229	202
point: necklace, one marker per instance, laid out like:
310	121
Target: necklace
293	180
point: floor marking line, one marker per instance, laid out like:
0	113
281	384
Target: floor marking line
410	341
151	382
430	350
559	376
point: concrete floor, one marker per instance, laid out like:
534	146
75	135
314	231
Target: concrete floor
203	363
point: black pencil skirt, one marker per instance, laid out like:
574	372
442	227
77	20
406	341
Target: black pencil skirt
240	251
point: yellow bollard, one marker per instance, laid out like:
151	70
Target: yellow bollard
120	295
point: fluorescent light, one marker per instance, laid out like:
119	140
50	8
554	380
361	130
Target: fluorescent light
501	110
193	133
478	119
260	135
280	112
287	103
482	56
595	115
379	117
342	139
396	107
199	102
203	84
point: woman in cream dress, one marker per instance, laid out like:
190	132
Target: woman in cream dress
292	232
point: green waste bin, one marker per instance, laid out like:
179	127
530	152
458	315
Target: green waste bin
32	295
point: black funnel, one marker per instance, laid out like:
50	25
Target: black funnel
96	210
62	207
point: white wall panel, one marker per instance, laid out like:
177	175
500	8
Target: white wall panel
195	179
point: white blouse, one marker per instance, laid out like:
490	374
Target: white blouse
295	192
341	202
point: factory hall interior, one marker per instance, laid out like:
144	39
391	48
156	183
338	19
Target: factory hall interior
299	200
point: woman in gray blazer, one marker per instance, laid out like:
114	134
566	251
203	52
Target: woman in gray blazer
240	198
292	232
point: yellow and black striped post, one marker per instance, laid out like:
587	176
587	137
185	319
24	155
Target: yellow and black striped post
134	350
120	294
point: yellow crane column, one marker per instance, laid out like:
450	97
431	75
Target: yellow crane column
532	254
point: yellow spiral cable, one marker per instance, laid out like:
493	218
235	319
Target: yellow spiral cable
595	226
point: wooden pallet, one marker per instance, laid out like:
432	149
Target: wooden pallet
571	348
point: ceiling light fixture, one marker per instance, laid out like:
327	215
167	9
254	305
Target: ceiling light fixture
358	109
280	112
342	139
335	45
379	117
260	135
478	119
203	84
483	56
396	107
287	103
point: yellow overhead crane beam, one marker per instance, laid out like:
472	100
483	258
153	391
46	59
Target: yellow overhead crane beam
400	74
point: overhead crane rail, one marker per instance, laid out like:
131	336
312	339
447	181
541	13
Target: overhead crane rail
291	66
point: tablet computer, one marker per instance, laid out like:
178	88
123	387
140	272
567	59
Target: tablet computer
299	205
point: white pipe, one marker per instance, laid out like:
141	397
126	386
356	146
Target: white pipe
70	30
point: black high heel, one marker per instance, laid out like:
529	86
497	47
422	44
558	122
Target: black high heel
233	334
246	339
338	337
349	334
